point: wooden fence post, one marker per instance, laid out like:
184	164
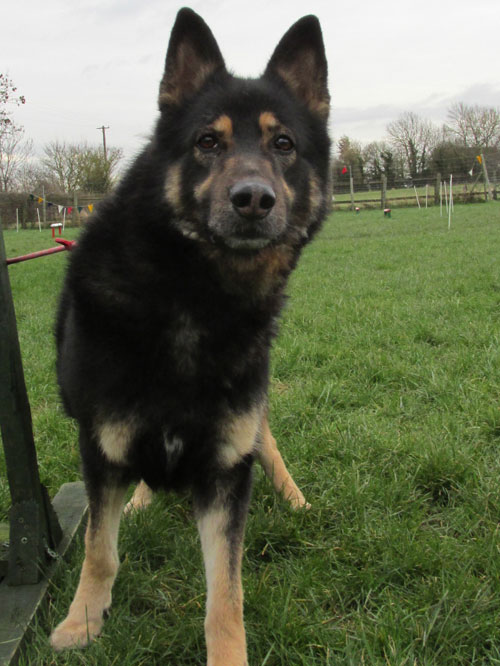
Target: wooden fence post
437	190
383	196
44	207
34	528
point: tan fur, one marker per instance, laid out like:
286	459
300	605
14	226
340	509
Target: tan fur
224	629
142	497
93	596
289	192
269	124
268	267
275	469
224	126
266	270
269	457
173	187
186	77
239	437
271	128
115	438
315	195
301	78
203	188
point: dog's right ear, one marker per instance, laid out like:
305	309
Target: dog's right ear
192	57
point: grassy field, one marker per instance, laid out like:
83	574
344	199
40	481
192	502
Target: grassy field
385	400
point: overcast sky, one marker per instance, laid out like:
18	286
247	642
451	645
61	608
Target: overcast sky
86	63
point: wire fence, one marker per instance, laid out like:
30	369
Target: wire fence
29	210
421	192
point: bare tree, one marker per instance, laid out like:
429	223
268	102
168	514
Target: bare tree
15	153
8	97
31	178
14	149
80	166
415	138
474	126
61	164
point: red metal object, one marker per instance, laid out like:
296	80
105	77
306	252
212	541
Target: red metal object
55	226
69	245
63	245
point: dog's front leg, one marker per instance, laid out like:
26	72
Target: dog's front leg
221	523
100	566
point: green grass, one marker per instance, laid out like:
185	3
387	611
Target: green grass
385	400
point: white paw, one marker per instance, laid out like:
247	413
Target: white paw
73	634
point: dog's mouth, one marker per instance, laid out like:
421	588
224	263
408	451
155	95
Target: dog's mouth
238	241
245	235
241	237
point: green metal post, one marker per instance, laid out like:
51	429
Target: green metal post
34	528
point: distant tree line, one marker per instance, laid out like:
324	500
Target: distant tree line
415	148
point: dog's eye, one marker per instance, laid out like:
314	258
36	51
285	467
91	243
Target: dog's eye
207	142
284	143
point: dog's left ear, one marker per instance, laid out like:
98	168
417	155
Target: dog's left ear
300	60
192	57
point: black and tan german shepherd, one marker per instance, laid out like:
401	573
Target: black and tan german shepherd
171	302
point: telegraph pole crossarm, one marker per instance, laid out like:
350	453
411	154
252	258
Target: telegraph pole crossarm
103	128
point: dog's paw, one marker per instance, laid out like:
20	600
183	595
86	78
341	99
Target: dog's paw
298	502
135	505
73	634
141	498
299	505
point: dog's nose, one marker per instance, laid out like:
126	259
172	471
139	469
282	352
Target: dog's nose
252	199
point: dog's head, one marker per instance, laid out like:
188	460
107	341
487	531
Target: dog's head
248	158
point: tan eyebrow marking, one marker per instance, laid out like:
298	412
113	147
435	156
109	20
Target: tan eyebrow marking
268	123
224	125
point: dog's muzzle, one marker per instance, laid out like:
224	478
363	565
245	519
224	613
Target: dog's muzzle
252	199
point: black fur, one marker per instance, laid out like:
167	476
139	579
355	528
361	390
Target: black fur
133	276
161	318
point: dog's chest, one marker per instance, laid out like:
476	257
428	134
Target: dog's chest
213	345
184	340
174	448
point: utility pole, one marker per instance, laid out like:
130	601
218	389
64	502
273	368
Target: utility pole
103	129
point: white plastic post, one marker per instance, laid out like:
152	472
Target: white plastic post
416	194
450	207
